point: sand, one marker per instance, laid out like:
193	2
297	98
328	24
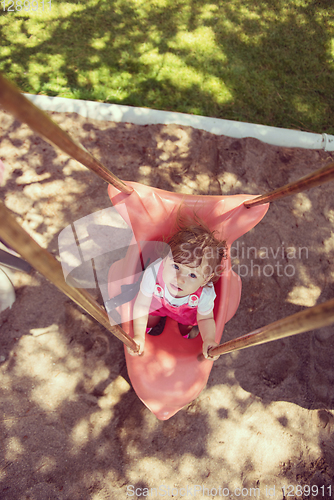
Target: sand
72	427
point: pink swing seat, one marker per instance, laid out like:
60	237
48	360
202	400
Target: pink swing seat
169	375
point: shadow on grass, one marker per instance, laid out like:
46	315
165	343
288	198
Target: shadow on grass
268	62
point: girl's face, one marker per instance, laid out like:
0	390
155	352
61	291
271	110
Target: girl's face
183	280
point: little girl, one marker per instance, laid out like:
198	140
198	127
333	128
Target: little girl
180	285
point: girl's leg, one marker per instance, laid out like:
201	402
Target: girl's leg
156	325
188	331
152	321
184	329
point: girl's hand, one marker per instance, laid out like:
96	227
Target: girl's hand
141	342
207	328
206	349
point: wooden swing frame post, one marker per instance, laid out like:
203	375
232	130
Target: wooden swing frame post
15	236
317	178
303	321
312	318
24	110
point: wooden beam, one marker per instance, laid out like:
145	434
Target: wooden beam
16	237
24	110
303	321
317	178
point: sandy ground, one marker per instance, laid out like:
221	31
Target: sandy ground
72	427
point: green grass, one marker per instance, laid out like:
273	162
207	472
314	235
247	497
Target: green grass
260	61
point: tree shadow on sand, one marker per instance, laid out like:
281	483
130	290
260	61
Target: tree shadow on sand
72	426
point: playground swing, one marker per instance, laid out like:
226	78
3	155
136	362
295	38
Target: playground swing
169	375
172	372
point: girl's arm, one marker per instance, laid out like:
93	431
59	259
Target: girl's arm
207	328
140	317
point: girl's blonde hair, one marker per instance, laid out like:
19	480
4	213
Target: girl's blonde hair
194	241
